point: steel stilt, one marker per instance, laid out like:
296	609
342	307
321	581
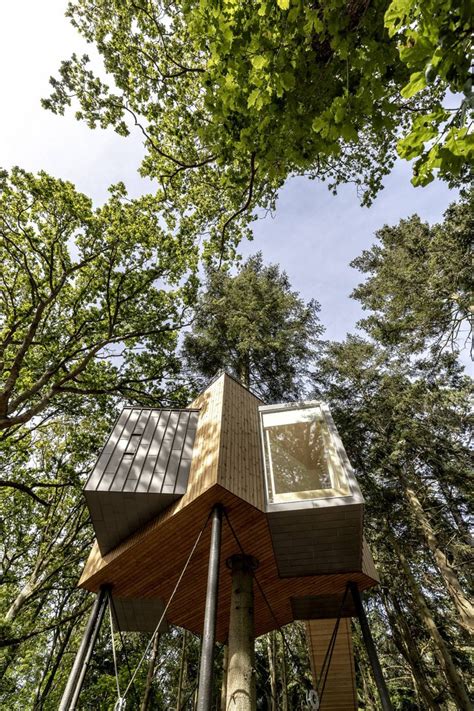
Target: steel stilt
371	651
84	653
209	632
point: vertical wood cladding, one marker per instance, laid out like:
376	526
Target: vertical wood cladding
240	459
340	692
227	444
205	461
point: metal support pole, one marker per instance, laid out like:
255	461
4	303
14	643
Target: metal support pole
371	651
210	614
84	653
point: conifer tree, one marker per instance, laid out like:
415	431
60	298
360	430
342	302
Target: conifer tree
254	325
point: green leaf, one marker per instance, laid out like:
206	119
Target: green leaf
283	4
293	14
348	132
339	114
259	61
318	124
417	83
288	80
253	98
396	14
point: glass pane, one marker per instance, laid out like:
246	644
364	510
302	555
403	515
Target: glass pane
298	457
301	457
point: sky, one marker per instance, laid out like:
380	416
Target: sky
313	234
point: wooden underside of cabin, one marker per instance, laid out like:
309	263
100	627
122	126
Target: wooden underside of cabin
148	564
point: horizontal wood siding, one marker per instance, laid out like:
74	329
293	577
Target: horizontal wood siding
317	541
339	692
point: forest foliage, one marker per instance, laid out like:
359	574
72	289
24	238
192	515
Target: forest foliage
398	395
232	98
101	306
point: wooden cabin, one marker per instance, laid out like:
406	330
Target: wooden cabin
290	498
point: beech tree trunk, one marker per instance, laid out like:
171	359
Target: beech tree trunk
225	661
182	665
271	644
284	676
456	684
50	672
461	602
368	690
145	705
403	639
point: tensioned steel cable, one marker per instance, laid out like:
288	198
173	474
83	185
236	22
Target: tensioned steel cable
122	642
295	659
167	605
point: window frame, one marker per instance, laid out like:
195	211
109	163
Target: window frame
336	459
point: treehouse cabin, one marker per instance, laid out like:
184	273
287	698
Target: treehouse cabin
313	503
289	496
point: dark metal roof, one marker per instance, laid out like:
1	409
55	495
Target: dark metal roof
142	469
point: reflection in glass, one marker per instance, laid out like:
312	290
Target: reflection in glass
298	459
301	461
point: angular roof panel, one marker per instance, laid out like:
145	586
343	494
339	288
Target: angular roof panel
142	469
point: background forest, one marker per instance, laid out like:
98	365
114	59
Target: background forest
143	301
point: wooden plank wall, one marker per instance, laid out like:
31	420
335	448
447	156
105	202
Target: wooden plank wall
340	691
205	461
368	565
240	461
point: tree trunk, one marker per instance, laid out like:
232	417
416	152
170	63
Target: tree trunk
225	661
462	526
243	370
284	676
458	690
25	593
145	705
182	666
405	643
368	691
271	643
41	694
241	691
461	602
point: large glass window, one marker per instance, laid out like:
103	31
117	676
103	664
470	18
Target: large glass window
301	461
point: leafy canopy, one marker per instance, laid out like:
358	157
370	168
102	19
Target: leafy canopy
434	40
255	326
233	97
90	299
419	283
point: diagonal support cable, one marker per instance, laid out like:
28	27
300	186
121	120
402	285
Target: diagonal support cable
295	659
163	615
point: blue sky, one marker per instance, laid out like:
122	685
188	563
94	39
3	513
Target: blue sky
313	234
